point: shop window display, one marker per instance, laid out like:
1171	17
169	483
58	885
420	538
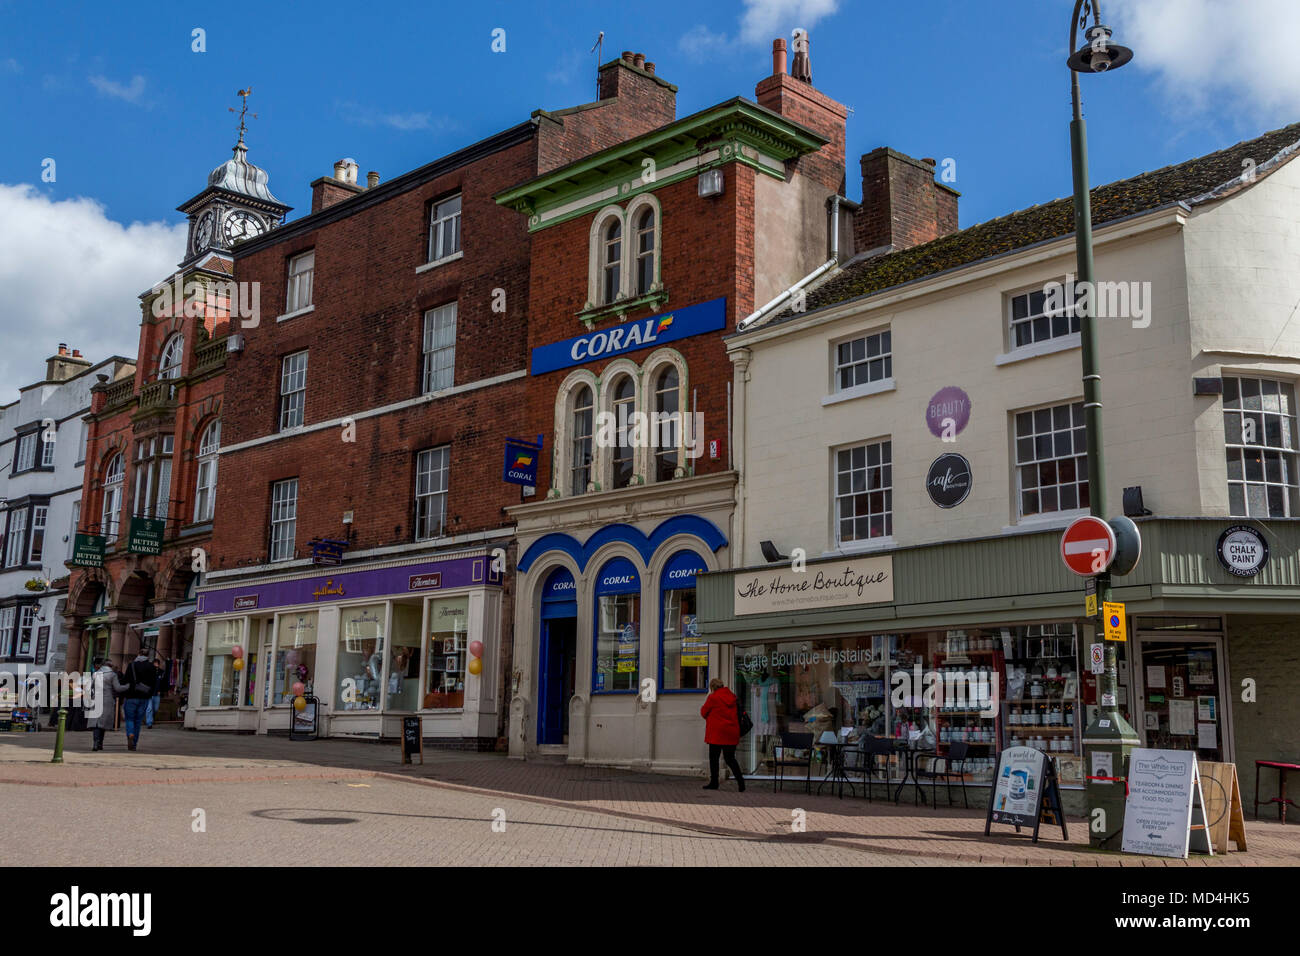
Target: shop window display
220	679
446	652
686	652
404	667
988	688
251	657
361	657
295	656
617	661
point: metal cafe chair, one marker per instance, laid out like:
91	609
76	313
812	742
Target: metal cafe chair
794	750
864	761
953	767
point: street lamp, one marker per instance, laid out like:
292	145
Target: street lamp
1109	737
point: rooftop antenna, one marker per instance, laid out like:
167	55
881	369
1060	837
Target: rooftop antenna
243	94
598	49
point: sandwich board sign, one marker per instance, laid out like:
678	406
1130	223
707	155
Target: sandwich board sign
1025	792
1164	814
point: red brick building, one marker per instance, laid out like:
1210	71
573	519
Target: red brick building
154	435
644	255
361	552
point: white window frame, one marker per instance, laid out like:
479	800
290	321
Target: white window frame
445	229
25	453
1077	433
47	452
876	479
40	517
439	356
26	625
301	279
1287	455
205	481
16	537
432	478
284	520
293	390
169	360
1070	317
633	404
629	252
111	510
8	620
882	340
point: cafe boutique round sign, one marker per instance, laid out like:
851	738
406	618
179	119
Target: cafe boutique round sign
948	481
1243	551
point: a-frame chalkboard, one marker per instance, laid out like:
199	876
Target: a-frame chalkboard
1026	792
412	739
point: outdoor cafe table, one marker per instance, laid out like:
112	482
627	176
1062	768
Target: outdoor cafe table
836	775
909	755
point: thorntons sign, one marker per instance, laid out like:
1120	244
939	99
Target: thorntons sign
843	583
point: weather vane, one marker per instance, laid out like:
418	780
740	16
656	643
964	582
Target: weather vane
244	94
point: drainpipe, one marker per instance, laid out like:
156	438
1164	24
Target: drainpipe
767	311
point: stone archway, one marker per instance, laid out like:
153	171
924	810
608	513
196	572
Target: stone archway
87	587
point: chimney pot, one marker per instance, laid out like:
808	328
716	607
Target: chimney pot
627	55
63	348
638	60
929	161
650	68
778	56
340	170
76	353
801	68
372	179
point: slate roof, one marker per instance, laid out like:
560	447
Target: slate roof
1197	180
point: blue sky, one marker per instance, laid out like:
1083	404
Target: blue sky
134	119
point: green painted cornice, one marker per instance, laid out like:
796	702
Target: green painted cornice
742	131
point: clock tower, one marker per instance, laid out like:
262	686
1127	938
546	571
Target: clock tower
236	205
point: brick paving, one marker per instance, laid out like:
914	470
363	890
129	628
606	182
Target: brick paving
900	833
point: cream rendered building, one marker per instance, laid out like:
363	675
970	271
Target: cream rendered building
1208	350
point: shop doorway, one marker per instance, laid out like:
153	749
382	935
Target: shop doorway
1180	701
559	660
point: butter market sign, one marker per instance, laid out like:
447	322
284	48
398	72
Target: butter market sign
146	535
88	551
841	584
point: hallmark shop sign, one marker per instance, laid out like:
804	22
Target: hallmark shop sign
844	583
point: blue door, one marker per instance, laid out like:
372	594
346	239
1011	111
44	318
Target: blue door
557	657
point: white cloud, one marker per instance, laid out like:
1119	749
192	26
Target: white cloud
1232	56
68	273
117	90
765	20
11	65
761	22
355	113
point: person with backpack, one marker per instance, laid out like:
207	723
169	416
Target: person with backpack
723	721
141	678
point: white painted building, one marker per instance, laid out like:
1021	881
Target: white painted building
42	451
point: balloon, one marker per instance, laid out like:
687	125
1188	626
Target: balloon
236	652
475	665
239	663
299	688
300	703
476	648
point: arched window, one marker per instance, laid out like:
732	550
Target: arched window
666	424
645	250
580	436
205	488
612	261
624	452
114	473
169	364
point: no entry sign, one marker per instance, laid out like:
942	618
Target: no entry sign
1088	546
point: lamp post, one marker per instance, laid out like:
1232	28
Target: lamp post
1109	737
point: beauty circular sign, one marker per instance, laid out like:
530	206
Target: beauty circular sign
948	412
948	481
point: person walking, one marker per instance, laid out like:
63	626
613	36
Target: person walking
721	732
141	680
107	688
160	686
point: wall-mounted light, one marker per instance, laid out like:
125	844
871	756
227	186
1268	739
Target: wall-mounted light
771	553
711	182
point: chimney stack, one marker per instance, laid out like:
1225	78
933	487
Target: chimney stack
902	204
62	366
778	57
328	190
631	79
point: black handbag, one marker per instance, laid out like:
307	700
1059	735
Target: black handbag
746	725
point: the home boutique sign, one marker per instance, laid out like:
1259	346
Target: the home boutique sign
837	584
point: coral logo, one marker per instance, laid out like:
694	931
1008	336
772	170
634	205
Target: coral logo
666	321
523	461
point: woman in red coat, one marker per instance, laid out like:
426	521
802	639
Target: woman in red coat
721	732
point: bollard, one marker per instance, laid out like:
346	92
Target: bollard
58	737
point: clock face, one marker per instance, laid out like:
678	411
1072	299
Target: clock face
241	225
202	237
